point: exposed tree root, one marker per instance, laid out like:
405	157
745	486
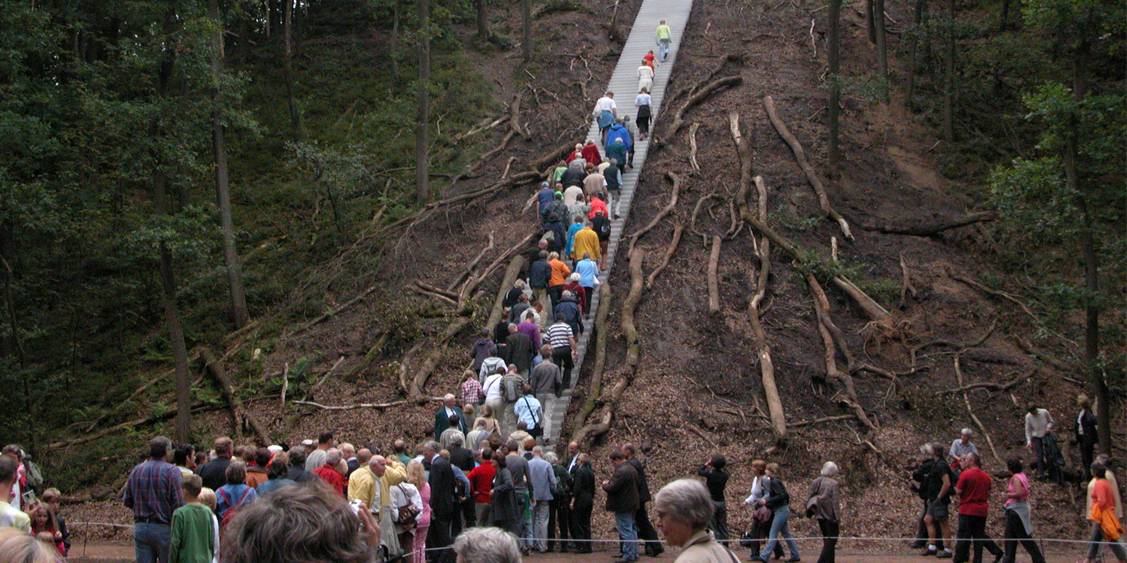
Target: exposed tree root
696	211
690	90
702	94
693	146
325	377
821	309
592	431
713	276
374	351
470	267
932	229
241	415
511	273
678	228
763	349
595	387
804	164
824	419
669	208
906	287
995	387
973	416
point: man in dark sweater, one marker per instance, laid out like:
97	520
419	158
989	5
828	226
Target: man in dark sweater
622	500
646	530
582	502
518	349
214	472
538	276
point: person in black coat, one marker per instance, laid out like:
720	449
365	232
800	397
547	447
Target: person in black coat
1087	436
582	502
214	472
504	512
442	502
448	410
463	459
646	530
622	500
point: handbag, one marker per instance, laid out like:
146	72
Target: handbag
762	515
407	512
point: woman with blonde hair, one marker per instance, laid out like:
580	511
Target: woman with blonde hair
488	420
417	478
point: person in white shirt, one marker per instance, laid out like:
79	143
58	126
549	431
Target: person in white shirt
493	390
1037	422
645	77
760	489
606	111
644	103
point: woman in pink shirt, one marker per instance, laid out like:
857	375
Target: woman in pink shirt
1019	524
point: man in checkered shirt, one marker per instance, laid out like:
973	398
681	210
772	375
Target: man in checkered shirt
153	492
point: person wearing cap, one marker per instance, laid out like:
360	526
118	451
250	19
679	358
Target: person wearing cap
577	290
606	111
447	411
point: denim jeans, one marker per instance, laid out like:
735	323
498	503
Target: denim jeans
624	521
525	519
780	525
663	49
151	542
540	525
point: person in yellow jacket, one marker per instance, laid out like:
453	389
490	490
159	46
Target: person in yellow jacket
586	243
372	486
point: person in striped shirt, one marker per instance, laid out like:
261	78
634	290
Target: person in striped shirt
562	340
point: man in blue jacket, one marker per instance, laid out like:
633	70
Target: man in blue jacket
619	129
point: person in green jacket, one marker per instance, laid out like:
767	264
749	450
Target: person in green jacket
194	527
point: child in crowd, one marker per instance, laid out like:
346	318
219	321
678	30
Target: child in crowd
53	498
193	527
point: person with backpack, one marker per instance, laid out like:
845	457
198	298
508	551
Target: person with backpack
511	385
613	175
193	539
235	495
920	486
529	411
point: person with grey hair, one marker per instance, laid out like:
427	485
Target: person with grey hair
961	447
684	510
330	475
153	492
452	435
449	410
921	487
822	504
543	482
486	545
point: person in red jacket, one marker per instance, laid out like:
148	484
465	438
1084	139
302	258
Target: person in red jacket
481	481
591	153
329	474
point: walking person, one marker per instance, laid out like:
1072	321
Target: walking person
646	530
778	500
684	513
1109	476
644	102
664	37
481	483
716	479
543	480
562	340
645	77
1106	527
1086	434
940	485
622	500
822	504
443	505
559	511
504	511
1019	522
417	478
920	487
973	488
762	516
582	502
606	111
154	492
1037	422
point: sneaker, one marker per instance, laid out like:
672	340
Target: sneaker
928	553
945	554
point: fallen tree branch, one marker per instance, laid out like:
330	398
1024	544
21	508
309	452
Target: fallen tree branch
996	387
130	425
511	273
973	416
227	387
377	406
713	276
484	127
678	228
804	164
702	435
763	249
820	420
431	291
690	90
334	312
702	94
660	214
932	229
821	310
591	432
469	268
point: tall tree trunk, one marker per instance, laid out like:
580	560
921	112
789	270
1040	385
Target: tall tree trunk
949	76
1088	244
266	5
526	20
914	61
482	21
287	67
222	186
422	115
1005	16
394	47
870	22
167	275
835	86
882	50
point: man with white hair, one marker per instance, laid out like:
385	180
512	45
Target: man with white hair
487	545
543	480
348	454
961	447
684	509
447	411
822	504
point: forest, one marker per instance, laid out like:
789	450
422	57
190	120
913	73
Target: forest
197	196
